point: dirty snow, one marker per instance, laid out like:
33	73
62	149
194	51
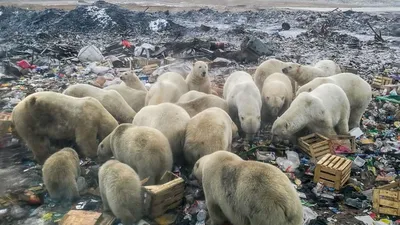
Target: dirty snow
100	15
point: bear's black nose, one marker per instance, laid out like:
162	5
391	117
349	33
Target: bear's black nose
204	74
284	70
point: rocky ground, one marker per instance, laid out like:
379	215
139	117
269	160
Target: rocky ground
52	38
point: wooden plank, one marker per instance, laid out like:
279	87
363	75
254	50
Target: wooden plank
328	170
327	182
319	154
345	164
328	176
322	148
319	144
389	203
391	194
390	186
335	162
329	160
375	199
344	179
321	161
388	211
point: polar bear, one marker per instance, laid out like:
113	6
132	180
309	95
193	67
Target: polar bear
198	79
358	93
120	191
171	120
198	104
303	74
324	110
110	99
244	102
134	98
130	79
191	95
209	131
60	173
45	116
145	149
247	192
169	87
267	68
277	95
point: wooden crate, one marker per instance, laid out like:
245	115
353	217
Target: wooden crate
83	217
380	81
386	199
5	123
333	171
158	199
345	140
315	145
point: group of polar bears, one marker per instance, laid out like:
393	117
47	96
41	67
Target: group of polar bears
179	121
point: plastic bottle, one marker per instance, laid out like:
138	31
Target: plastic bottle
201	217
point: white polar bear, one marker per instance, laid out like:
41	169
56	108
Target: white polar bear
325	110
303	74
198	79
169	87
358	92
247	192
276	96
244	102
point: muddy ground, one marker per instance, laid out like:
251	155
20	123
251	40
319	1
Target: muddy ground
341	35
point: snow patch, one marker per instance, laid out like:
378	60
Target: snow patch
100	15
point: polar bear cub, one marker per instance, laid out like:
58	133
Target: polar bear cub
244	102
120	191
247	192
209	131
357	90
198	79
324	110
145	149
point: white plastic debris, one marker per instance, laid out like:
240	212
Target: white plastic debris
308	215
158	25
357	132
359	161
367	220
90	53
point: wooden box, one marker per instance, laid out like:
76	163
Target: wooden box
386	199
380	81
333	171
5	123
158	199
342	140
83	217
315	145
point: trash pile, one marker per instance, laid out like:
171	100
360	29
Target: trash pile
51	49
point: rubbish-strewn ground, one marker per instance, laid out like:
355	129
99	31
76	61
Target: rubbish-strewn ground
52	38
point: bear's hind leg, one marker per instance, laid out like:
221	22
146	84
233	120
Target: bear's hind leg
217	217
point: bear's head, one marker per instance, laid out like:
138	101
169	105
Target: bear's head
129	78
274	104
104	149
250	121
291	69
198	167
280	128
200	69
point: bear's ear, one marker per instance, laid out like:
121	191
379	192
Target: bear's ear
310	89
283	98
32	101
286	125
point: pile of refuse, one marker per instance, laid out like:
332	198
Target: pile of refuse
51	49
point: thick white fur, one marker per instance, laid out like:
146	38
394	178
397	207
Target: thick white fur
120	191
247	192
303	74
110	99
244	102
325	110
209	131
171	120
357	90
194	102
198	79
145	149
276	96
169	87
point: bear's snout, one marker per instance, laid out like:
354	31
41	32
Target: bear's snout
284	70
204	74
